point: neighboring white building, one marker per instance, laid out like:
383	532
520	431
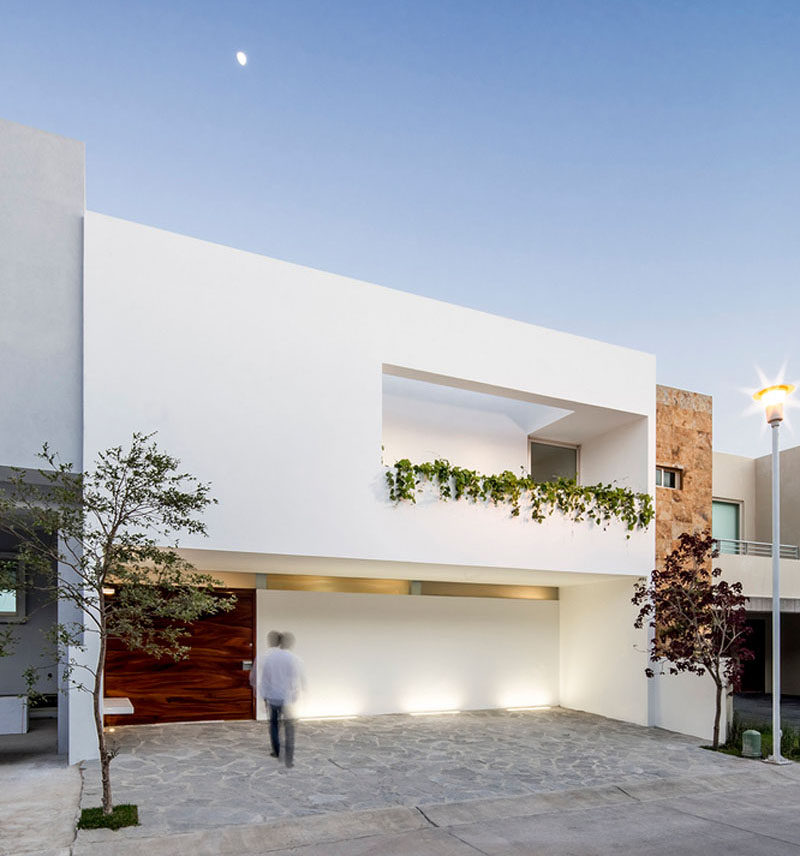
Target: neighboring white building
742	521
290	389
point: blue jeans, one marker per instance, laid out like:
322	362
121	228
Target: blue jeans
276	716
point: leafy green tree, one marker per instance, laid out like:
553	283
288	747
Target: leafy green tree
698	622
81	535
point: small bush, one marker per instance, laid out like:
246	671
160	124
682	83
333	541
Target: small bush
790	738
122	815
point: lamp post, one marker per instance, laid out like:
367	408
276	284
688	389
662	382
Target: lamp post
773	398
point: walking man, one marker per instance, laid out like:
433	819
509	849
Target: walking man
273	642
282	680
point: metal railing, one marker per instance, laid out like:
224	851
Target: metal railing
731	547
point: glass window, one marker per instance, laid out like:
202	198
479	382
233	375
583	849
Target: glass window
8	601
668	477
725	520
549	463
12	601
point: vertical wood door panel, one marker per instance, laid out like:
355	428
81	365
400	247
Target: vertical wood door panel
209	684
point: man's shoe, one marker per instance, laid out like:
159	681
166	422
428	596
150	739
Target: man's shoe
290	763
274	755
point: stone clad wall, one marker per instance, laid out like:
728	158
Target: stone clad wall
683	441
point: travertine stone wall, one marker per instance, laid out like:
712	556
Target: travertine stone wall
683	441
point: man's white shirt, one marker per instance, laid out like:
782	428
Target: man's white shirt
281	676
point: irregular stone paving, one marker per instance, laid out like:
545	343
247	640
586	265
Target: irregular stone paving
191	776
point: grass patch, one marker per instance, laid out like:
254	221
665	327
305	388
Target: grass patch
726	750
790	738
122	815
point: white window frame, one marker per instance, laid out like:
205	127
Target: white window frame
19	613
678	472
561	445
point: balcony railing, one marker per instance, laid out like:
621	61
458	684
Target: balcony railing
731	547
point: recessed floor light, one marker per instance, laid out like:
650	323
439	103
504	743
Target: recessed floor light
532	707
433	712
342	716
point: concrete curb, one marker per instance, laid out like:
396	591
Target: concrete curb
257	838
58	851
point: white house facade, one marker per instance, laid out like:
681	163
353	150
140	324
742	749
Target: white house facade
292	390
742	525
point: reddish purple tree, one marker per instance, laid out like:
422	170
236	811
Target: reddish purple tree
698	621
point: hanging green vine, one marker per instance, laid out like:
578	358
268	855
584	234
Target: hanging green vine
598	502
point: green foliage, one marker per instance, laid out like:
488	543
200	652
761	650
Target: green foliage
81	533
9	582
790	738
698	622
104	541
599	503
8	640
736	728
122	815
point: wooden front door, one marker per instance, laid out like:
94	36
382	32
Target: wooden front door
209	684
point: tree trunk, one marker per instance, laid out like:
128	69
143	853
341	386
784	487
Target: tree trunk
105	756
717	712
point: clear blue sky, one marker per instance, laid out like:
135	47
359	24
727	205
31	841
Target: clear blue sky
626	171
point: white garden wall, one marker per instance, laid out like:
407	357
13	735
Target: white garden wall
370	654
685	703
602	656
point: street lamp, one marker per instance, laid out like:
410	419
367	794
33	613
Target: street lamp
773	398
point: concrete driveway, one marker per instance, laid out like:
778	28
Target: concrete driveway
757	709
39	794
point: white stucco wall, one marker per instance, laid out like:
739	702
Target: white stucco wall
489	442
790	496
686	702
41	267
41	341
79	716
607	457
265	378
734	479
749	481
602	656
370	654
755	574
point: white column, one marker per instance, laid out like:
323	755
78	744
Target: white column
776	757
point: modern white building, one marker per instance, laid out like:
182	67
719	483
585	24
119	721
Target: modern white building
742	521
291	390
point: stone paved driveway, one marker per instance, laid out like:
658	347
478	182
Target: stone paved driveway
193	776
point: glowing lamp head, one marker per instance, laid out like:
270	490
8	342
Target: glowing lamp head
241	57
773	397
